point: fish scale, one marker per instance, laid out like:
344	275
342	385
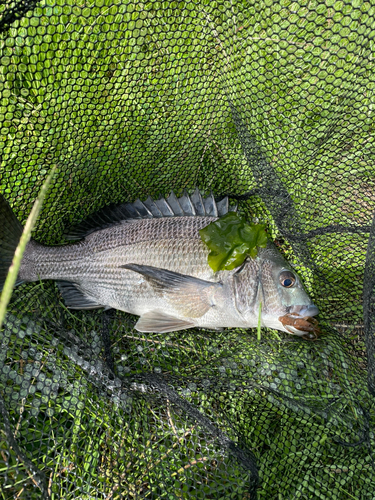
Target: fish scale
173	244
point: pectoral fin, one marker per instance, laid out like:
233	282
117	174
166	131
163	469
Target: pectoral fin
158	322
192	297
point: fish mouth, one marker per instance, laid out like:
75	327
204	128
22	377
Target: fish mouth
305	311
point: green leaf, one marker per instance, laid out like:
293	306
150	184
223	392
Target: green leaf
231	239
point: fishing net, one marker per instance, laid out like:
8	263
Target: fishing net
270	103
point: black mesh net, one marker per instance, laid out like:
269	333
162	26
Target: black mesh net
270	103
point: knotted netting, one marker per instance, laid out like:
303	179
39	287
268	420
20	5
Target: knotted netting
270	103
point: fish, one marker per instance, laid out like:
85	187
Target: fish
147	258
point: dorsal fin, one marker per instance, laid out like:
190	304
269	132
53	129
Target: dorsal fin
185	206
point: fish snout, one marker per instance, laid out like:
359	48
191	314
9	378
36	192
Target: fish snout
305	311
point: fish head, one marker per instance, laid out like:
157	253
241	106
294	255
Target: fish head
270	280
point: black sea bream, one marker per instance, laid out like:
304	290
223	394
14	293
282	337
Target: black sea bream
147	258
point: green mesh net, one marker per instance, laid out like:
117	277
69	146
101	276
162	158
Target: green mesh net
270	103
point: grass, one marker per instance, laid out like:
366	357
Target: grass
24	239
131	100
289	403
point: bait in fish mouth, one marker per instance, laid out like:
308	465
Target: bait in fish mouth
147	258
308	328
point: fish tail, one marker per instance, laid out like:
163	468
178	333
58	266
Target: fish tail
10	234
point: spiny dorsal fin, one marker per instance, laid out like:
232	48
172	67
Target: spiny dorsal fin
185	206
197	202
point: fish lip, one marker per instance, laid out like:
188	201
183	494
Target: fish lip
305	311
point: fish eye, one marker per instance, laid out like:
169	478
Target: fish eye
287	279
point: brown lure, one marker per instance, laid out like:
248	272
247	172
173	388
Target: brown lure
308	325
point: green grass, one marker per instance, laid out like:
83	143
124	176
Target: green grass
288	402
19	251
131	99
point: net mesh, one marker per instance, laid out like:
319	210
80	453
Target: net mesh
268	102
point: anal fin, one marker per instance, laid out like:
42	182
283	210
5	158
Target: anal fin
74	298
158	322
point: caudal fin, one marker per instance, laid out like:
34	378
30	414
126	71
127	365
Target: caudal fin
10	233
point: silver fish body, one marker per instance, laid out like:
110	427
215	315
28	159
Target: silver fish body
155	266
